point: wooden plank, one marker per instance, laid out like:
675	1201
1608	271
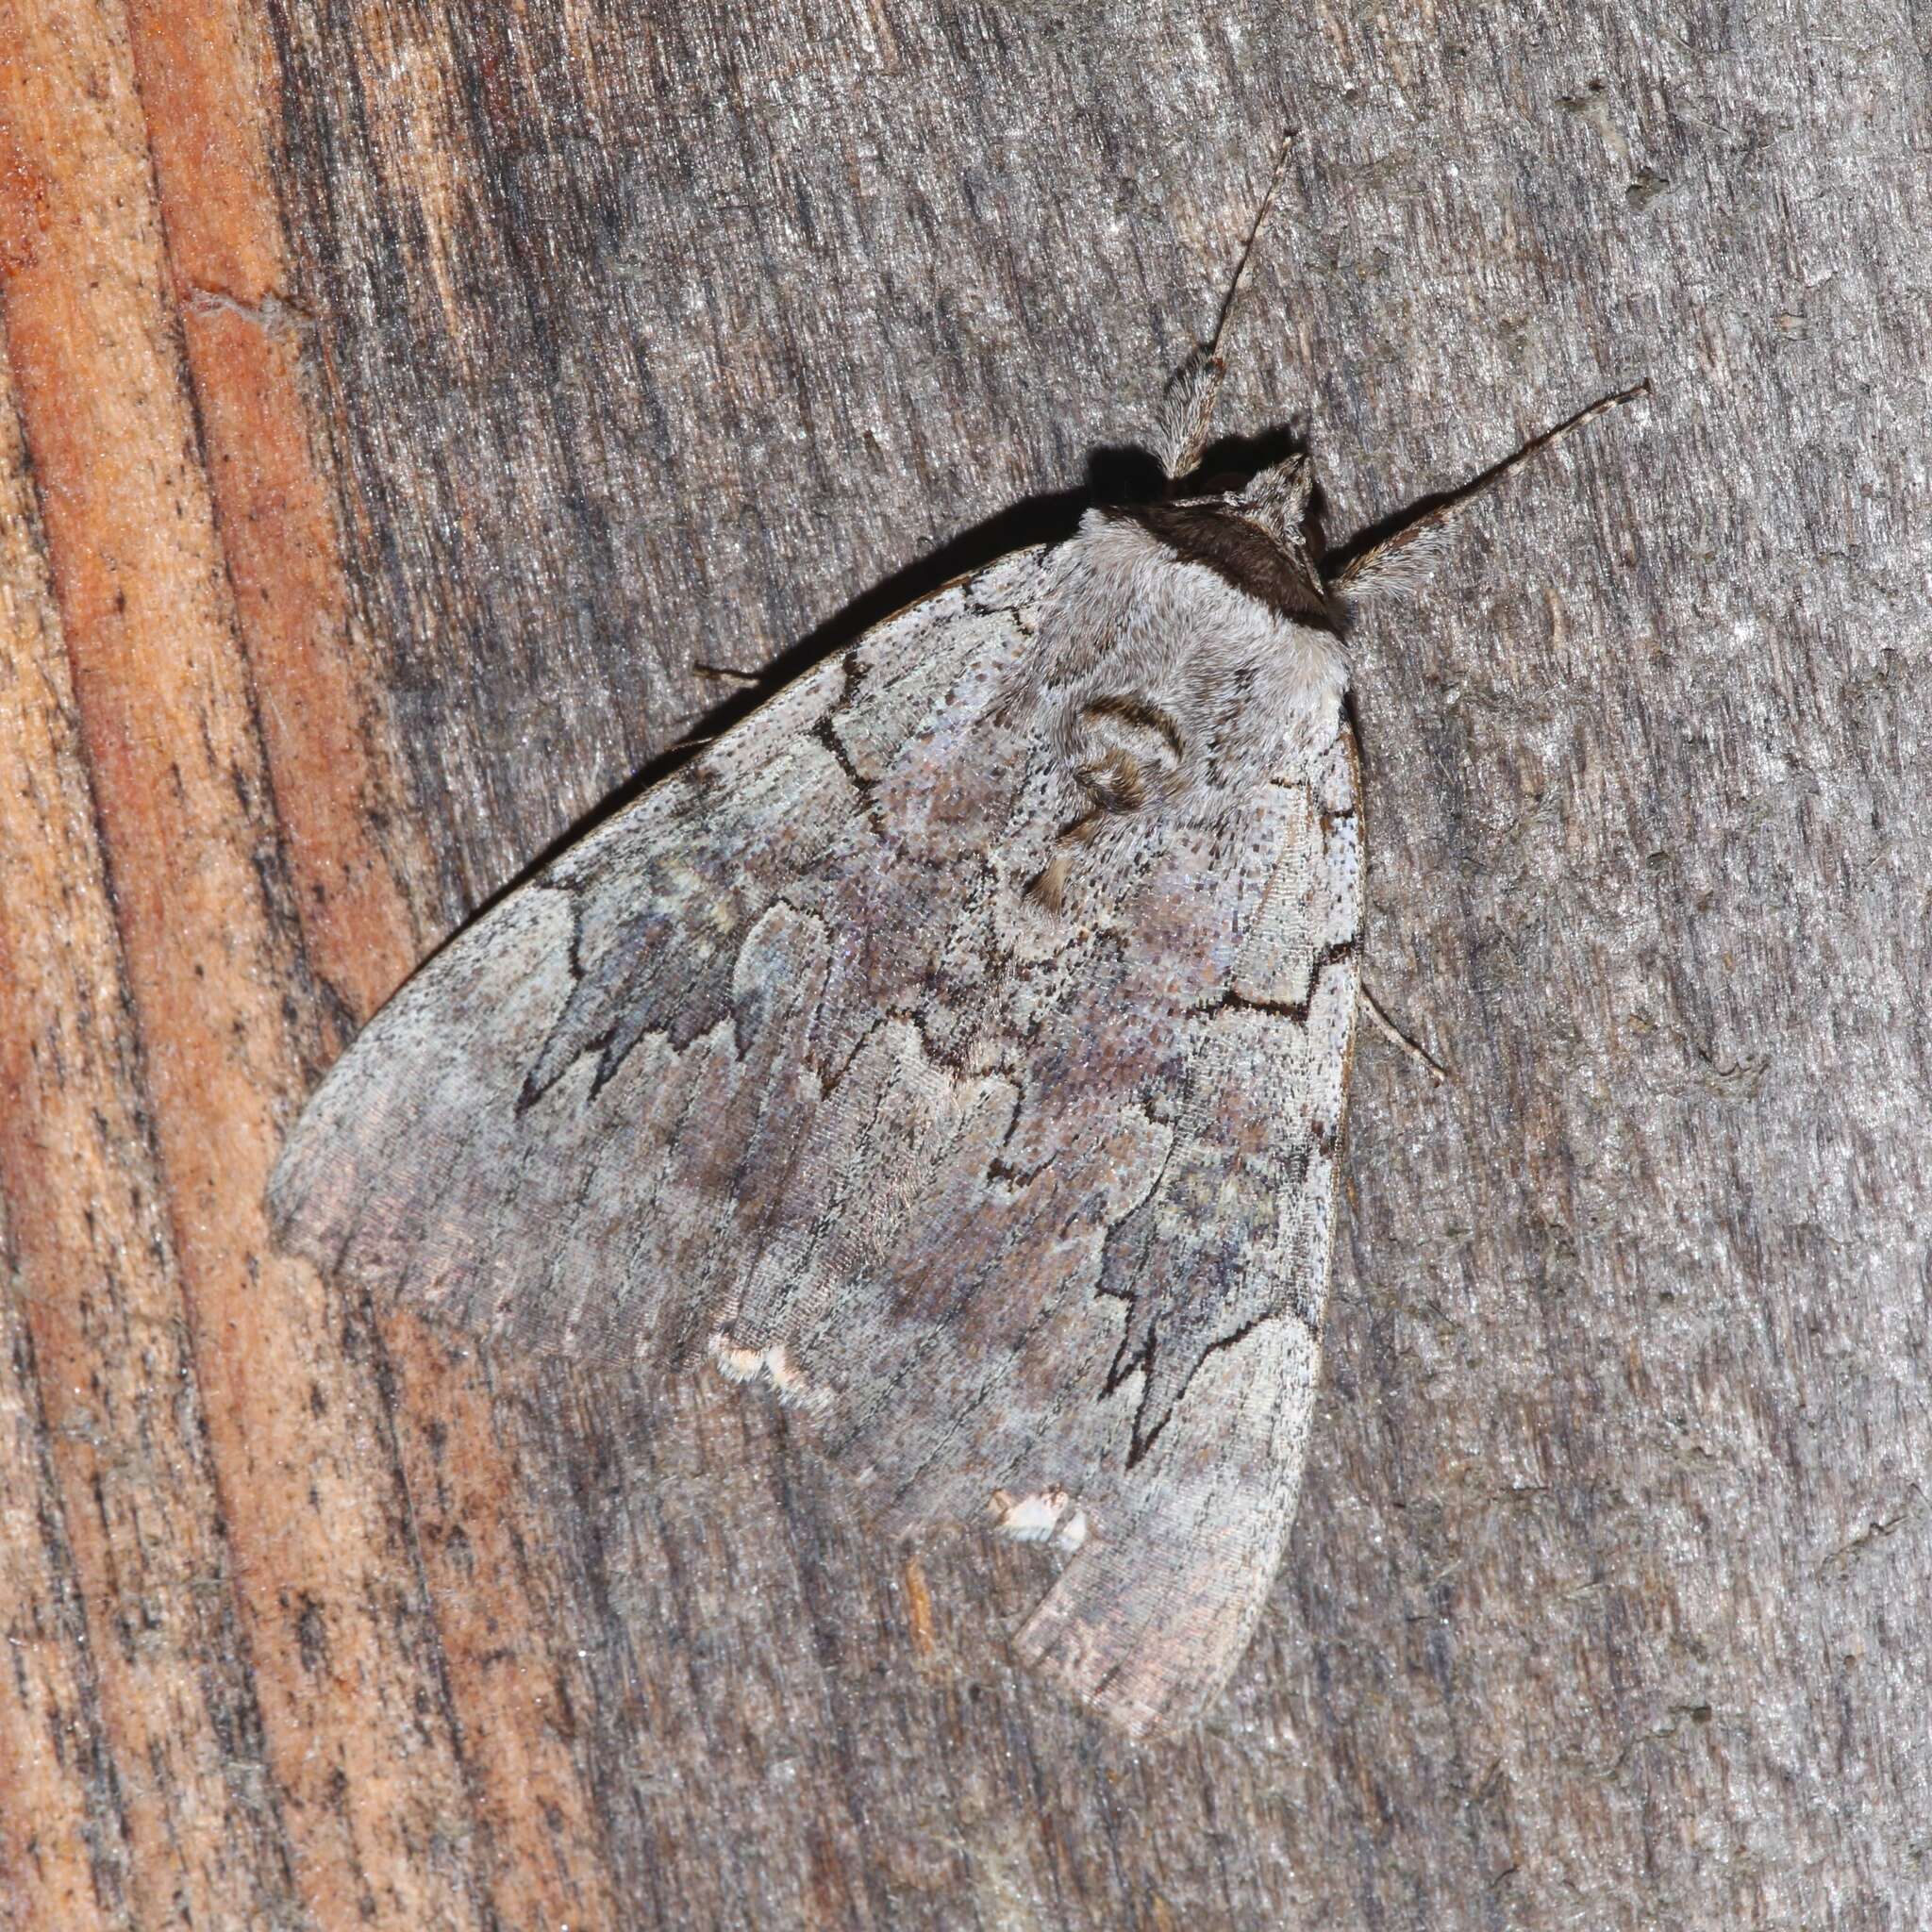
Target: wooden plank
143	1763
200	72
354	867
441	387
365	1789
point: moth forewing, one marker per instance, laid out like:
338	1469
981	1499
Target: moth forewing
956	1050
784	1070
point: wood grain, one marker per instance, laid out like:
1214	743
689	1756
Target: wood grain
405	400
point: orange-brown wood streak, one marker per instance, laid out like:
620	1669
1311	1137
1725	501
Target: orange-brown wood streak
185	519
96	1289
330	768
197	69
351	1706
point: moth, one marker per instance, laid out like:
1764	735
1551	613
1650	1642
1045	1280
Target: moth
957	1049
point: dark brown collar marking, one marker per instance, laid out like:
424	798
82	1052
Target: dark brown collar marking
1130	710
1240	553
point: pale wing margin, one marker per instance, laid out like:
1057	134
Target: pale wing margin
540	1134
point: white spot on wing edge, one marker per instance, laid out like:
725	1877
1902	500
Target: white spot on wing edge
734	1364
1048	1515
788	1381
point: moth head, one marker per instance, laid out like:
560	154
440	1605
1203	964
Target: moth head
1275	501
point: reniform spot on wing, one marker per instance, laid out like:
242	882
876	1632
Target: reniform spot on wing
1123	753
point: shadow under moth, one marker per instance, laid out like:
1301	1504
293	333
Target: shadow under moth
957	1048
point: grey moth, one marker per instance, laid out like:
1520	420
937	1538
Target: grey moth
956	1049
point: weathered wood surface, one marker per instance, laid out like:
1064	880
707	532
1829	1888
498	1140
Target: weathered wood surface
403	399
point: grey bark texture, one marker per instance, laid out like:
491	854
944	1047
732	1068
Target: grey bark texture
643	339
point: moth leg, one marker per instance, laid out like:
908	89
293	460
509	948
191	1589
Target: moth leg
1396	1037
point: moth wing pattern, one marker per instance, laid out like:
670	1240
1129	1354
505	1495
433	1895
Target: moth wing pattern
1221	1271
785	1071
508	1141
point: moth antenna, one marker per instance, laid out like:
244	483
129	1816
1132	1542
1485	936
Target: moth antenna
1242	267
1189	406
1405	556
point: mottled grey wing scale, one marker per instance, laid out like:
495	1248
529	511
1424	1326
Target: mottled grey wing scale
509	1141
781	1054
